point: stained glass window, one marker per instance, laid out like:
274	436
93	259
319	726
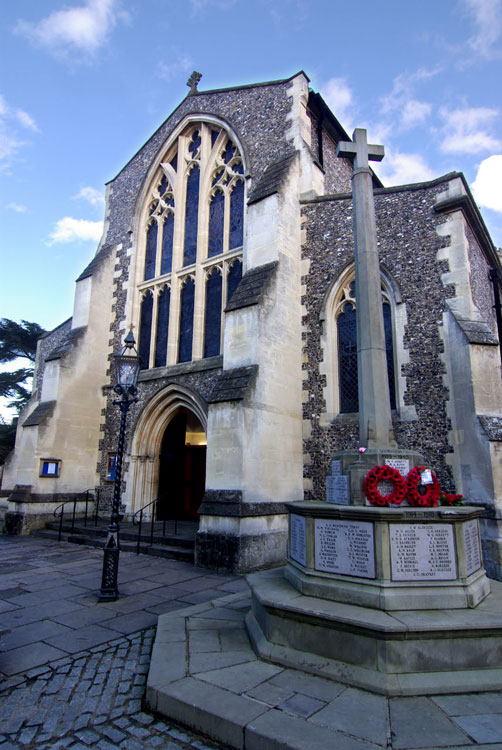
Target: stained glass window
347	357
186	321
233	279
236	215
167	244
389	352
176	234
216	222
212	320
151	250
191	217
145	330
162	327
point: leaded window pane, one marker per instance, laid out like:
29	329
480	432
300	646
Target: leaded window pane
212	321
162	327
236	215
233	279
389	352
186	321
216	219
167	244
145	330
151	251
191	217
347	359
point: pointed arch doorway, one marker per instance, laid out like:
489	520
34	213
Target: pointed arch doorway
182	467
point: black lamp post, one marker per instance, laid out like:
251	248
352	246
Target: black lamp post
127	364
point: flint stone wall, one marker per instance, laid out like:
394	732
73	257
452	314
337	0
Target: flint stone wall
408	244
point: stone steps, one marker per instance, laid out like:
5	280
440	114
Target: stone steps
173	546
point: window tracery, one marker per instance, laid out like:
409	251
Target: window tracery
345	313
190	246
339	343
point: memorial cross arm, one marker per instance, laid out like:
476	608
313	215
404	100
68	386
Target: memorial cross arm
360	150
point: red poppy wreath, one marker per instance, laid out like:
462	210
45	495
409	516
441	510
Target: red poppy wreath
384	474
430	497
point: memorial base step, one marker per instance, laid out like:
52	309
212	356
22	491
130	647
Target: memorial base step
412	652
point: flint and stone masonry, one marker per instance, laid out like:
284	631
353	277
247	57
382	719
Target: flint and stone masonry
268	403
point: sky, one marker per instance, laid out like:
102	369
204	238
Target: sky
84	83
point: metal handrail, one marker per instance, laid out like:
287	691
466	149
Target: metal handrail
139	522
76	500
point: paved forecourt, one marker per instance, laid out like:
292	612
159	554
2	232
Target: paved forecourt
73	670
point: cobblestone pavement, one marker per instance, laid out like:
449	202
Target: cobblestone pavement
73	670
91	699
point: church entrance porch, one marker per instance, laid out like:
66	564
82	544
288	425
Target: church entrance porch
182	468
167	460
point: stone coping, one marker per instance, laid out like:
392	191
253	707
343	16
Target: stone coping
376	513
205	674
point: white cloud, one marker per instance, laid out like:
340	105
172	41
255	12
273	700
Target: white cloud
401	105
414	112
178	65
468	130
27	120
91	195
487	187
17	207
84	27
10	120
487	16
68	229
339	99
400	169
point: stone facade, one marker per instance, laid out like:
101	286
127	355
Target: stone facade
269	403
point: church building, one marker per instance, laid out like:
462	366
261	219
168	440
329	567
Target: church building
228	246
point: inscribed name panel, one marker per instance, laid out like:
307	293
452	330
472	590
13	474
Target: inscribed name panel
345	547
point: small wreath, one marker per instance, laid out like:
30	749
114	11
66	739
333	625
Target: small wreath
382	474
431	495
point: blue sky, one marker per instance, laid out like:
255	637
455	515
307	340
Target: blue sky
85	82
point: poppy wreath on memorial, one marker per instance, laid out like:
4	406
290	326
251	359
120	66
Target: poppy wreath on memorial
384	474
431	495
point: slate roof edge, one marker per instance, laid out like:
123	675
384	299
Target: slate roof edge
65	345
43	410
94	263
267	185
232	392
48	333
266	270
476	331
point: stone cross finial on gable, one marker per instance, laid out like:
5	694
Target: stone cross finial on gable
193	82
359	150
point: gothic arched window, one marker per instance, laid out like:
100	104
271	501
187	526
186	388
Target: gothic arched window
190	246
345	313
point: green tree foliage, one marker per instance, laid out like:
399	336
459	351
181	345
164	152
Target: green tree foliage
17	340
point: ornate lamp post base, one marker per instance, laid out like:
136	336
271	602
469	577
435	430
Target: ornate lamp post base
109	587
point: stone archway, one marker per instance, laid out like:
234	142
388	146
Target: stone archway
148	436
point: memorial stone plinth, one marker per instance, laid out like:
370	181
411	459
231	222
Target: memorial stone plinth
394	600
387	558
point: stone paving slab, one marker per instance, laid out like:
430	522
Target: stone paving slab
91	697
197	679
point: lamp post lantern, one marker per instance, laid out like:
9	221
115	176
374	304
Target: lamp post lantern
127	365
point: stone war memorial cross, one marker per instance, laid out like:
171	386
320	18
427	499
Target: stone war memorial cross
348	558
375	423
